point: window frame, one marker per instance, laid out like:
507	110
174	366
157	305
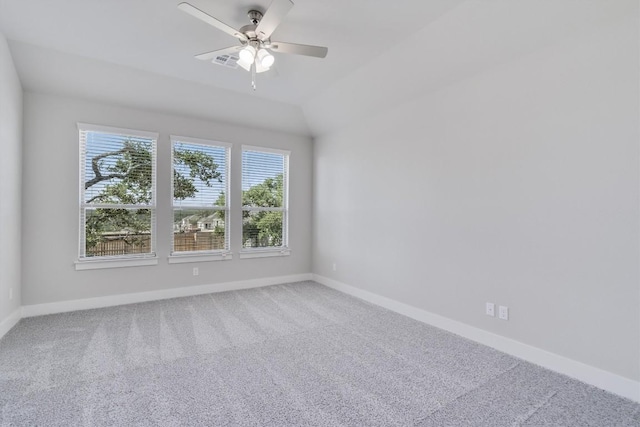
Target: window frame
283	250
206	255
113	261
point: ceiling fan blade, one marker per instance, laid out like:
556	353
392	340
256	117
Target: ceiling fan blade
299	49
197	13
207	56
272	18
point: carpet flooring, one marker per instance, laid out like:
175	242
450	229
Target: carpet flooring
288	355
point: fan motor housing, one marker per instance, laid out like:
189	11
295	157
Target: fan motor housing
254	16
249	31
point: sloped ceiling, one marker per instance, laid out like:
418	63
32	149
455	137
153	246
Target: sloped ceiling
140	52
468	40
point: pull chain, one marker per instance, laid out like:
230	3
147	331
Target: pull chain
253	75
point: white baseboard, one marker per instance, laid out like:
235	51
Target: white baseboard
113	300
10	322
600	378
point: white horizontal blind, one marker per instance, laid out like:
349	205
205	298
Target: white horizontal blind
265	190
117	192
200	194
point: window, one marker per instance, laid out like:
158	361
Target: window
265	200
117	193
200	198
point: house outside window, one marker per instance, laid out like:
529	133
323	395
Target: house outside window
117	193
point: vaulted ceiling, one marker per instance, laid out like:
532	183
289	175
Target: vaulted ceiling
140	52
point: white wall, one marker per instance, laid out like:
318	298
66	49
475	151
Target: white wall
10	184
50	219
519	185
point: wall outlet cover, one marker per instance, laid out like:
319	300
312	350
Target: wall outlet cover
491	309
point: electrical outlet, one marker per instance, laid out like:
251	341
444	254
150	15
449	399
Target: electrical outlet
491	309
503	312
10	293
335	267
195	271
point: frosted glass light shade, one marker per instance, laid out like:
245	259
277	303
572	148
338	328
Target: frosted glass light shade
244	64
260	68
265	58
248	54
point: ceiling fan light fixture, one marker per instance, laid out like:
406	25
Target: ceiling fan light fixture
254	51
260	68
265	58
248	54
244	64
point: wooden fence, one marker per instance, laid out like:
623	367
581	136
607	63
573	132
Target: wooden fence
198	241
120	244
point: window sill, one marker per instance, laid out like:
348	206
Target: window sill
115	263
264	253
200	257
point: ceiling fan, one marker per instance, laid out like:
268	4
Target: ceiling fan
255	38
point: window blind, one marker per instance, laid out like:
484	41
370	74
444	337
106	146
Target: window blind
200	194
264	198
117	192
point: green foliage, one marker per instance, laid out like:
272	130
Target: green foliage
128	174
200	165
263	228
221	201
131	222
268	194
